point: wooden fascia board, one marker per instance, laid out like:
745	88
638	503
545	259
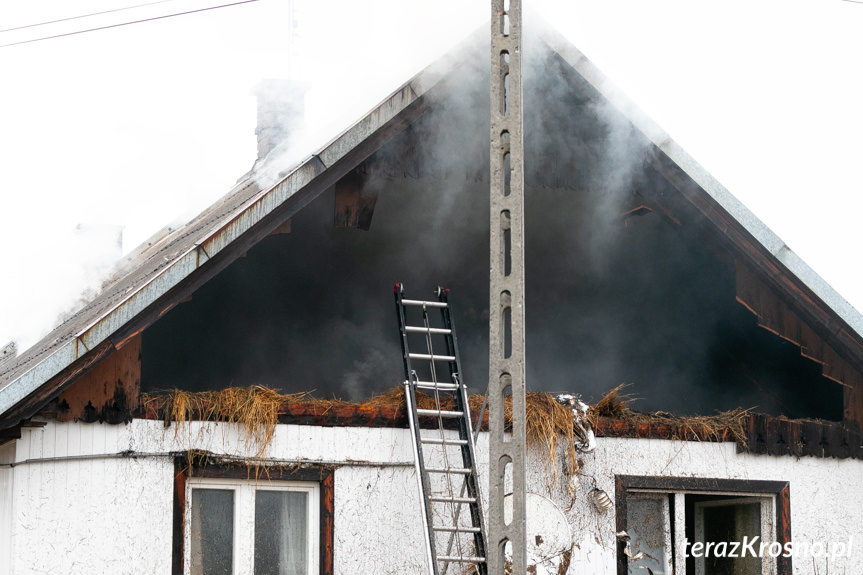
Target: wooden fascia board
792	291
36	400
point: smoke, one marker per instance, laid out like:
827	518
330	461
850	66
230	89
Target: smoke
116	128
351	62
611	298
67	275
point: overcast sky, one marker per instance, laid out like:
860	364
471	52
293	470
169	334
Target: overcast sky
144	125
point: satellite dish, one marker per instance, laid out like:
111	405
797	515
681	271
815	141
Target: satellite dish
549	535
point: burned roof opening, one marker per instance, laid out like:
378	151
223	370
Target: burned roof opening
312	309
626	282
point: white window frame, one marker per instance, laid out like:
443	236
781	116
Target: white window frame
244	518
767	504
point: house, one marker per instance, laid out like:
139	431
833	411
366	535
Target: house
641	268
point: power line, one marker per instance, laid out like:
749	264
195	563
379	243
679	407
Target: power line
83	16
127	23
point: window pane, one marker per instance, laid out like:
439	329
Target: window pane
212	531
281	533
648	526
732	523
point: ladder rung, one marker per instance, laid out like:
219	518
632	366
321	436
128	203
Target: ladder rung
425	303
457	559
441	413
455	470
452	499
429	357
419	329
444	441
451	529
442	386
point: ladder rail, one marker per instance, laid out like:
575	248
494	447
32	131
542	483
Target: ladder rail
448	499
471	483
452	364
410	399
428	532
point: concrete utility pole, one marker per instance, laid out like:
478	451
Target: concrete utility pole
506	303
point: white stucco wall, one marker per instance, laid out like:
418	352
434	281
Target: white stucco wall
826	495
7	455
115	515
89	515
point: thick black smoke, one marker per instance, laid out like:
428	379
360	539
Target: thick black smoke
610	298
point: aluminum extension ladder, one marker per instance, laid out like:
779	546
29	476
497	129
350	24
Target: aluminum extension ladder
444	445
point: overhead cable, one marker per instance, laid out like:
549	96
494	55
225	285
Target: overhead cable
126	23
82	16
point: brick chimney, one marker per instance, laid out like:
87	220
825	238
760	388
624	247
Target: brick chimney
281	106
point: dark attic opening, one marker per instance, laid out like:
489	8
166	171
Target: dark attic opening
626	281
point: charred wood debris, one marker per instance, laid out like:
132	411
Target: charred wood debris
550	419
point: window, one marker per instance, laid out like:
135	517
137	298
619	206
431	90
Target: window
702	526
254	527
229	523
729	519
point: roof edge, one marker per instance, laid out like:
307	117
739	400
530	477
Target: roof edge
240	221
719	193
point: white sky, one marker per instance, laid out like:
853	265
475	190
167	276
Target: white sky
147	124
